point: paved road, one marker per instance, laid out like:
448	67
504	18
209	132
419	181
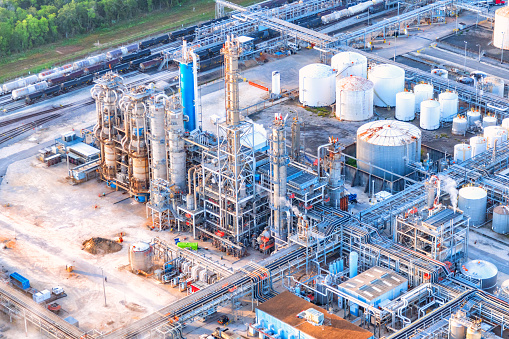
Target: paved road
6	162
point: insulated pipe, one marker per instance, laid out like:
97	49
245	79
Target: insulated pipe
319	158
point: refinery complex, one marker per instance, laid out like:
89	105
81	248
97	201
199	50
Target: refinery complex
306	169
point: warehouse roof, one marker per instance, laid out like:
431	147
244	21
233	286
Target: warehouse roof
286	306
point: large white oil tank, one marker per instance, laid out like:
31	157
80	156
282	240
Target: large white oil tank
430	115
479	144
140	257
388	80
482	270
422	92
440	72
276	83
494	85
462	152
405	106
354	98
387	144
473	116
448	105
488	121
495	135
473	332
459	125
500	223
472	201
317	85
456	328
500	34
505	124
349	63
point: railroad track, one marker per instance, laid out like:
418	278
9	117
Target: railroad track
49	110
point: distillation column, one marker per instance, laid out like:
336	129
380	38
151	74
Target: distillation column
334	163
279	161
189	86
157	139
107	95
176	145
295	152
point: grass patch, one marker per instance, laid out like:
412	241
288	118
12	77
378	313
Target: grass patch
80	46
351	162
320	111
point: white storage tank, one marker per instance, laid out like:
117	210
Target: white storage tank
494	85
317	85
473	116
500	32
422	92
346	64
488	121
459	125
448	105
140	257
500	223
479	144
430	115
462	152
440	72
388	144
505	124
472	201
474	332
405	106
456	328
276	83
388	80
495	134
354	98
482	270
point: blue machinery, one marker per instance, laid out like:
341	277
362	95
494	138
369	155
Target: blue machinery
189	86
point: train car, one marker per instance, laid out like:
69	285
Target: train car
49	74
147	43
114	53
29	99
23	92
76	74
94	69
110	64
104	71
87	79
189	37
211	62
64	68
121	68
52	90
134	56
215	50
57	80
163	39
20	83
145	66
135	63
81	64
94	60
144	53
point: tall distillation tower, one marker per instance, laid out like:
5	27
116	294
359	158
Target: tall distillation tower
333	164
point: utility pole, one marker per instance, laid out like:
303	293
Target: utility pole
479	52
104	287
503	45
465	62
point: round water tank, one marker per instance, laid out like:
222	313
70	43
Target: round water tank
459	125
317	85
472	201
448	105
388	80
422	92
500	222
354	98
405	106
482	270
500	34
456	329
440	72
430	115
495	135
387	144
505	124
473	332
489	121
473	116
494	85
479	144
349	63
462	152
140	257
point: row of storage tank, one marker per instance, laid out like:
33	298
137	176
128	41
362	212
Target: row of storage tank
355	90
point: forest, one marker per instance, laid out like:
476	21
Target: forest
25	24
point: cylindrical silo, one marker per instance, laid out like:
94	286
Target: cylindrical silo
505	124
158	161
462	152
317	85
500	32
388	144
405	106
473	332
472	201
388	80
482	270
494	85
479	144
430	115
276	83
473	116
346	64
140	257
456	328
495	135
459	125
500	223
440	72
422	92
448	105
488	121
354	98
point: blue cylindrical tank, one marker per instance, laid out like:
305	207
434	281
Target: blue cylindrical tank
354	258
332	269
187	92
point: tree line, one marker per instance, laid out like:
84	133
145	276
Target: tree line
28	23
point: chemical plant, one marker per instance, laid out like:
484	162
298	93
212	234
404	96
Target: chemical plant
311	169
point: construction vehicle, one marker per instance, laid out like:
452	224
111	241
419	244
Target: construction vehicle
224	320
